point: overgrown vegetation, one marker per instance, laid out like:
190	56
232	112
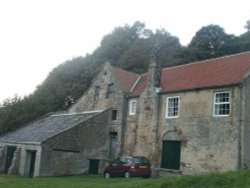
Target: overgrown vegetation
127	47
239	179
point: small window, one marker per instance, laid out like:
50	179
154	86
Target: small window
132	107
110	91
97	92
173	105
221	104
114	114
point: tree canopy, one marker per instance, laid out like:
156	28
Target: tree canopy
247	26
128	47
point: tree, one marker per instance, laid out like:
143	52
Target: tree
209	41
247	26
169	45
128	47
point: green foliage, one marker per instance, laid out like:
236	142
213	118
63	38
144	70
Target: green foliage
209	41
239	179
128	47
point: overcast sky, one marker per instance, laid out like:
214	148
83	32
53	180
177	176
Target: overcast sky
38	35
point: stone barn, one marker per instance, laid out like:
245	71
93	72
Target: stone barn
58	144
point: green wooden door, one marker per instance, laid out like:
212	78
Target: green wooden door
93	166
9	157
171	151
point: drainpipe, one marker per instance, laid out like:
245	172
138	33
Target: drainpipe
123	122
157	147
241	126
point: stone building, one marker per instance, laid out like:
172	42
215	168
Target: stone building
192	118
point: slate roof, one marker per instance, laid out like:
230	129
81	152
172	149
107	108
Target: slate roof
223	71
46	127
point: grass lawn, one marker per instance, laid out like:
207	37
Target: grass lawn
240	179
83	181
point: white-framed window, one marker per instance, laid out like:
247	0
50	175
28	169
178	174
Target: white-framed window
132	107
221	104
173	106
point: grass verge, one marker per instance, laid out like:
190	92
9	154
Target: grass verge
239	179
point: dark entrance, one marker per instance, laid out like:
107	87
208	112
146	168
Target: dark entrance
9	157
171	151
31	159
112	144
93	166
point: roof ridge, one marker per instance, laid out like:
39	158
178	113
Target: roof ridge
77	113
133	87
207	60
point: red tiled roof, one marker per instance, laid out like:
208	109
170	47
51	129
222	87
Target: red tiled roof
140	85
222	71
125	78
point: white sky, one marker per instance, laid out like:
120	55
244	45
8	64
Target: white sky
38	35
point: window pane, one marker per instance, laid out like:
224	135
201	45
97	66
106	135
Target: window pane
222	104
173	107
132	107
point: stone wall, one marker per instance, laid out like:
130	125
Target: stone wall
147	127
207	143
2	157
117	102
246	123
131	129
20	164
25	161
69	152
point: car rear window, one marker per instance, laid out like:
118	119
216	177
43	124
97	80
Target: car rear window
140	160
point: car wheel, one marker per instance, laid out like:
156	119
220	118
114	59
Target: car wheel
127	174
107	175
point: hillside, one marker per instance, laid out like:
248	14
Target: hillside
128	47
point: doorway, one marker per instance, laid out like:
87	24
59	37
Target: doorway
93	166
9	157
30	166
171	152
112	144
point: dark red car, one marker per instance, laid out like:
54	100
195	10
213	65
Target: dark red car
128	167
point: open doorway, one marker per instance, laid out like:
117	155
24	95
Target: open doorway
112	144
9	157
30	163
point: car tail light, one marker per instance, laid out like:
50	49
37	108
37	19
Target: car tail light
132	167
